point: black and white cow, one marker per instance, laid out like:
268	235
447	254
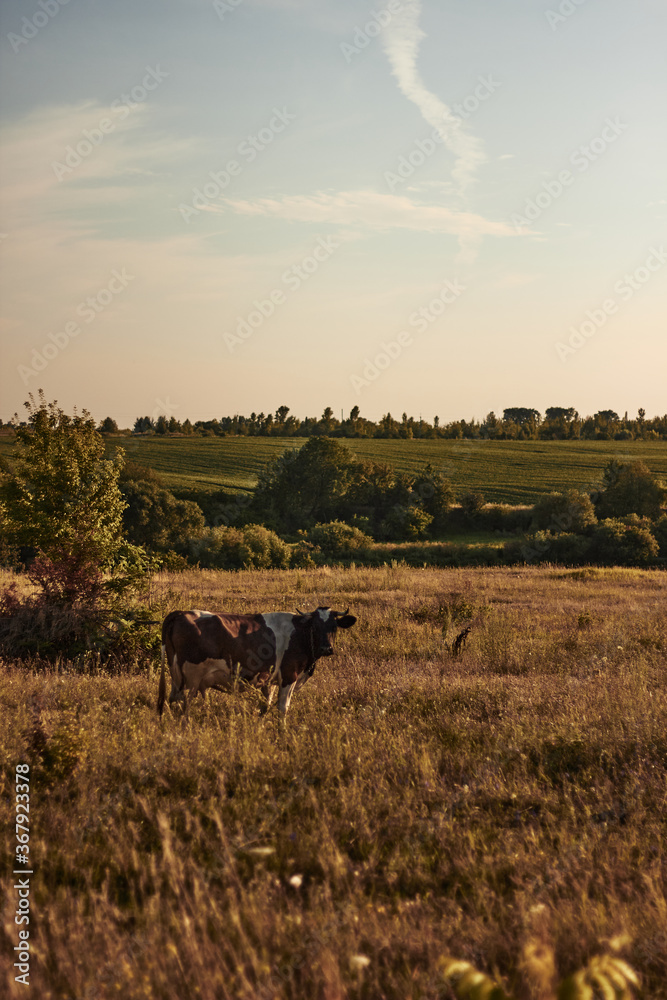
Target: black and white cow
269	651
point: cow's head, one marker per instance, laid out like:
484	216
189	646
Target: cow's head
319	628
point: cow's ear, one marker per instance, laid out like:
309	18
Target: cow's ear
347	621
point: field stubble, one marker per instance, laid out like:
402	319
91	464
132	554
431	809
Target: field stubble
417	805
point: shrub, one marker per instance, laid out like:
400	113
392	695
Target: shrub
570	549
660	534
250	547
305	556
434	493
406	523
62	491
155	518
502	517
567	548
265	550
630	489
361	522
62	498
337	538
472	504
616	543
77	609
570	511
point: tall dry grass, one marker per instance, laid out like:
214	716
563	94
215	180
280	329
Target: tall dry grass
417	805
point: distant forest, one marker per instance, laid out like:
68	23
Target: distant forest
516	423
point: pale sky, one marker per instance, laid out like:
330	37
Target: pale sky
211	208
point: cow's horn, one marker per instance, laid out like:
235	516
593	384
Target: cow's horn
300	613
341	614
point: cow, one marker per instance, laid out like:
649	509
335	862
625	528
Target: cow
268	651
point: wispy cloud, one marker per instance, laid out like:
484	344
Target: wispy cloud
370	210
401	39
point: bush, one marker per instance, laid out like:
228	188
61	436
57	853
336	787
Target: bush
569	512
265	549
660	534
250	547
62	493
434	493
77	609
615	542
62	499
406	523
155	518
504	518
630	489
337	538
219	507
566	548
472	504
304	555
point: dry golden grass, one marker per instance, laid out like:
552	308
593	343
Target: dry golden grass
507	807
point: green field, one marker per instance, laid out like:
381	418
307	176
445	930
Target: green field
512	472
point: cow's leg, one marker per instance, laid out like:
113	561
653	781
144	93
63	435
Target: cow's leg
285	697
268	690
189	696
176	695
177	683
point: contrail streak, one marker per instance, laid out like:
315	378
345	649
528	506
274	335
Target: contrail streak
401	39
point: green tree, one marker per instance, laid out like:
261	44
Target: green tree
620	542
435	493
108	426
306	485
472	504
406	523
630	489
62	494
522	415
155	518
570	512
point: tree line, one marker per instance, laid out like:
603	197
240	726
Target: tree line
516	423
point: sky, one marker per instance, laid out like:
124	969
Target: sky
432	206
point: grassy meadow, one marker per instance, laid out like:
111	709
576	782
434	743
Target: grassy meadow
511	472
507	807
